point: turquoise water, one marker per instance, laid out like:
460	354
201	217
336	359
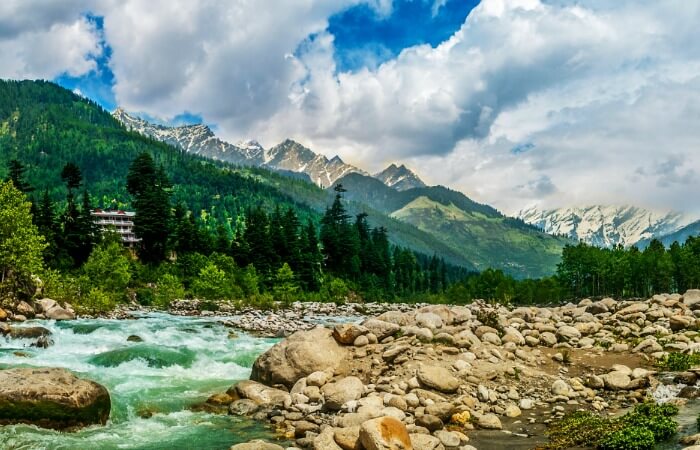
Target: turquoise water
179	363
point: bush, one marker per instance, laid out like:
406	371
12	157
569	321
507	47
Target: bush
678	362
108	267
639	429
96	301
629	438
168	288
145	296
212	283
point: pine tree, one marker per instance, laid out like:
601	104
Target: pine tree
16	173
149	187
311	258
341	243
72	240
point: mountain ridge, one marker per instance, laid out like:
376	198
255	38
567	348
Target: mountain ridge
606	225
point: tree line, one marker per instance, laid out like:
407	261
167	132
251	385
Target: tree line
259	256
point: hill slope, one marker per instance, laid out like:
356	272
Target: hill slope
46	126
479	232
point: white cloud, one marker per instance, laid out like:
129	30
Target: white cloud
606	92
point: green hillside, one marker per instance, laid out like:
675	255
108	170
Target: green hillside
45	126
483	235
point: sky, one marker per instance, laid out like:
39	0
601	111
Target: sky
517	103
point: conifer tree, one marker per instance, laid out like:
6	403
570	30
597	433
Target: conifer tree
149	187
16	173
311	258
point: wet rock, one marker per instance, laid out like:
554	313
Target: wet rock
58	313
134	338
51	398
260	394
28	332
489	422
243	407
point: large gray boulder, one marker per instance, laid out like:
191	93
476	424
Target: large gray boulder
437	378
342	391
692	298
51	398
299	355
260	394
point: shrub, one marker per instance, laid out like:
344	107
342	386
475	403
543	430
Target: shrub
678	362
108	267
629	438
96	301
145	296
212	283
168	288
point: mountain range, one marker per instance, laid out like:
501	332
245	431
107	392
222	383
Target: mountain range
479	233
608	226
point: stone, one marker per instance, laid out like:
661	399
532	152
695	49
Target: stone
326	440
3	314
526	404
568	333
443	410
29	332
51	398
301	427
491	338
679	323
318	378
361	341
385	433
380	328
428	320
424	441
348	438
46	303
448	438
691	297
634	308
347	333
559	387
489	422
58	313
616	380
257	444
437	378
430	422
25	309
260	394
243	407
548	339
301	354
512	411
510	334
341	392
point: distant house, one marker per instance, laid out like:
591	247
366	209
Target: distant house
120	221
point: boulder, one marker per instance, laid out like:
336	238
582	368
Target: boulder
691	297
616	380
348	438
46	303
342	391
29	332
326	440
301	354
25	309
437	378
58	313
567	333
380	328
489	422
385	433
347	333
51	398
260	394
428	320
424	442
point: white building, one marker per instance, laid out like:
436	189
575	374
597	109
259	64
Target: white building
119	221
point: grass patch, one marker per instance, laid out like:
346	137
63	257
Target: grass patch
640	429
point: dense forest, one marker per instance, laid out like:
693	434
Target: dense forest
589	271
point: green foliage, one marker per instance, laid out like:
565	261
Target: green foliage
489	318
109	268
21	245
678	362
640	429
168	288
145	296
628	438
285	288
212	283
96	301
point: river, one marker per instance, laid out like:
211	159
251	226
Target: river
179	363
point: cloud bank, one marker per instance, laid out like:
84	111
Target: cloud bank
599	99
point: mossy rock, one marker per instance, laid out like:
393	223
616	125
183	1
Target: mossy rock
51	398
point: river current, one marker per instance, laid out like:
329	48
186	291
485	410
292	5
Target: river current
178	363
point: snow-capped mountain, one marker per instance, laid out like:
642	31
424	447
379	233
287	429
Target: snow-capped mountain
290	155
606	226
399	177
201	140
197	139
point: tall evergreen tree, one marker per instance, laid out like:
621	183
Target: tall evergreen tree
311	258
16	174
149	187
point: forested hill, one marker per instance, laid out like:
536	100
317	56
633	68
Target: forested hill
45	126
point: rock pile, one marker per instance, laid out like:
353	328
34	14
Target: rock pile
428	378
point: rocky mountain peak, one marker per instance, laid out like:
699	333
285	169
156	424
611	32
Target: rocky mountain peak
400	177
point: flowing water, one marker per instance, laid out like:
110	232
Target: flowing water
179	363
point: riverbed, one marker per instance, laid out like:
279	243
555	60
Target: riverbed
169	364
